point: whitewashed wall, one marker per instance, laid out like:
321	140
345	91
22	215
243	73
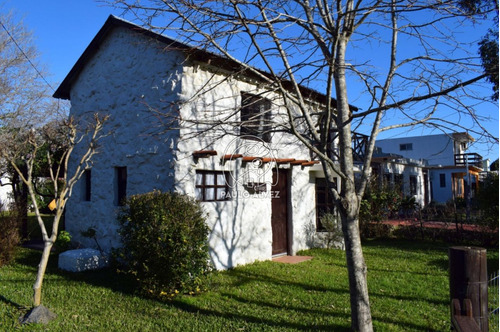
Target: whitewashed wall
125	75
5	194
241	227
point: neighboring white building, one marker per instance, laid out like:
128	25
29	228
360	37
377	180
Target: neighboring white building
409	174
437	149
5	193
448	164
262	195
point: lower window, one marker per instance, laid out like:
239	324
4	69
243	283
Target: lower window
324	202
212	186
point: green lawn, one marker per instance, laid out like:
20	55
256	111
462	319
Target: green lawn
408	284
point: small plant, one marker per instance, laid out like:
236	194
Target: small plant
408	206
63	241
379	203
165	243
331	224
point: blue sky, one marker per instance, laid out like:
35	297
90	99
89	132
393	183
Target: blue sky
63	29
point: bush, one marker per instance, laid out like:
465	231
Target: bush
488	201
165	243
63	241
331	223
9	236
379	203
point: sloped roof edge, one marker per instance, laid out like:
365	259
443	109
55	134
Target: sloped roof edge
63	91
112	21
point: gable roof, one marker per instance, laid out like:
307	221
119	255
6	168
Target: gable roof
63	91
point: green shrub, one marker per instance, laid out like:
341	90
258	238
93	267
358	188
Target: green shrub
63	241
9	236
379	203
331	223
165	243
488	201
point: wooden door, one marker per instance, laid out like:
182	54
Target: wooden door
279	214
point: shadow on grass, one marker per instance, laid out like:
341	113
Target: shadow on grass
103	278
374	294
405	325
259	320
11	303
243	277
108	278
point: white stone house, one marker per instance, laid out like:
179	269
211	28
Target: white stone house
408	175
449	165
261	190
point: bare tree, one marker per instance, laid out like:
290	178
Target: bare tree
408	62
57	140
34	127
23	93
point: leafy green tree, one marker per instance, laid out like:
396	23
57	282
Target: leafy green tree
488	46
488	199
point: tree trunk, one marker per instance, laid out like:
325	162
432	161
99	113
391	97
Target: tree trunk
361	319
37	287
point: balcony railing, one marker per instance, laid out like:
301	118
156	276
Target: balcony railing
358	145
472	159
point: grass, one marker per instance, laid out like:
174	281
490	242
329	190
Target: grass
408	284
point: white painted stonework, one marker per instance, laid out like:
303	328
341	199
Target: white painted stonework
5	193
80	260
134	79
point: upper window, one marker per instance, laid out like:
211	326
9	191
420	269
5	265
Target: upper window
86	185
406	147
120	185
255	117
212	186
324	202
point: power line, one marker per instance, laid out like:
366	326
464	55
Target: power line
26	56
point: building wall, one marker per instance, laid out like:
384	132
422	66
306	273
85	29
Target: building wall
436	149
5	194
241	228
120	81
441	194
